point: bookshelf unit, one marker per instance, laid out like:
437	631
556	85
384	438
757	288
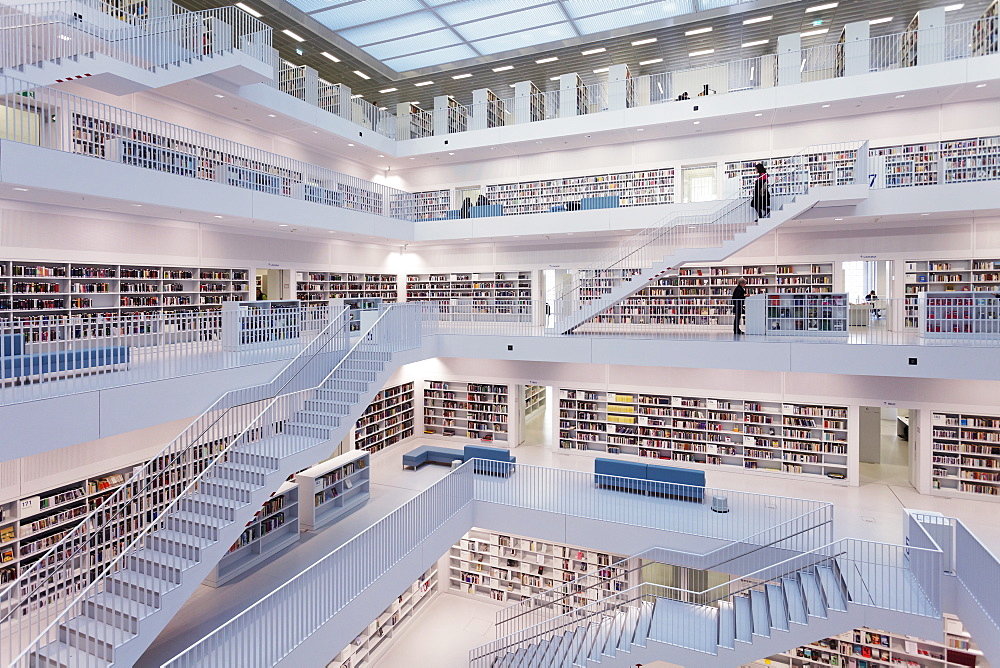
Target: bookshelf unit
880	649
965	454
947	276
412	122
908	43
534	399
641	188
467	410
908	164
805	314
700	295
248	325
336	487
387	420
429	205
321	286
984	34
772	437
58	292
832	168
968	315
505	568
500	293
274	528
377	636
976	159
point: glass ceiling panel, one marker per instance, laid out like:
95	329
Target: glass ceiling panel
471	10
447	55
630	17
404	26
499	25
313	5
525	38
578	8
401	47
366	11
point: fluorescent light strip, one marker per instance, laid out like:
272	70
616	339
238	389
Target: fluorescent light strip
952	8
362	74
759	19
640	42
503	69
423	83
701	53
591	52
819	8
811	33
297	38
884	19
249	10
462	76
547	60
601	69
356	96
698	31
554	78
388	90
330	56
757	43
651	62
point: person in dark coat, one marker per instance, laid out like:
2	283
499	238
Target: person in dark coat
739	299
761	200
466	205
481	200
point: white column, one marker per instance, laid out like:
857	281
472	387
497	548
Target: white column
479	119
641	87
857	49
441	106
402	118
345	101
312	86
619	84
523	91
568	83
930	36
789	59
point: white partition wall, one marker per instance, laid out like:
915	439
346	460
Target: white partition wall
572	96
620	91
854	51
789	59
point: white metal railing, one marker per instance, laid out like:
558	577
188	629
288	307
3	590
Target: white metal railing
62	355
317	594
51	31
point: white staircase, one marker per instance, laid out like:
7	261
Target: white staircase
639	626
123	609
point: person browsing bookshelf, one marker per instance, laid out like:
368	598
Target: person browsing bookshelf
761	199
739	299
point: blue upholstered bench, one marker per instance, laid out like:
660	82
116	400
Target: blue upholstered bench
486	211
639	478
433	454
606	202
15	363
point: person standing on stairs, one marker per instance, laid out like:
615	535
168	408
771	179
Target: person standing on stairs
761	199
739	299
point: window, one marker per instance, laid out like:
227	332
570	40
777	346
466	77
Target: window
699	183
19	124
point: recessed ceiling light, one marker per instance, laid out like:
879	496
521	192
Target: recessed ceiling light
282	225
423	83
826	106
137	205
388	90
884	19
591	52
65	38
758	114
380	155
503	69
414	103
819	8
462	76
297	38
512	85
249	10
697	122
412	158
271	116
754	43
701	53
451	153
838	218
357	95
759	19
329	56
362	74
810	33
980	85
217	216
350	144
24	190
898	97
554	78
640	42
217	95
551	59
651	62
952	8
925	214
698	31
601	69
639	129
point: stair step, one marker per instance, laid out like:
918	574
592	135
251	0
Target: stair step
832	587
795	600
759	610
93	637
744	619
242	472
141	587
614	625
587	640
564	650
195	523
776	607
529	653
628	629
642	627
62	655
329	406
227	489
727	625
815	605
600	638
685	625
203	504
117	610
317	418
158	564
177	543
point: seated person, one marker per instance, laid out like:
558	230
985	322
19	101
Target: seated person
873	300
683	96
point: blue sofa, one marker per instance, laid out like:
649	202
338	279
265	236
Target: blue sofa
15	363
605	202
434	454
486	211
640	478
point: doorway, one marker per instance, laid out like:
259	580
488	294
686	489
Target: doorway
884	445
472	193
698	183
273	285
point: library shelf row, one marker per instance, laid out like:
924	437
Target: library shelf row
387	420
320	286
334	488
965	454
471	410
534	399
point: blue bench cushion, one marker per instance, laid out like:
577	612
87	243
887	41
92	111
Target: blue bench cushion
431	453
67	360
500	455
11	345
607	202
486	211
676	482
557	207
620	474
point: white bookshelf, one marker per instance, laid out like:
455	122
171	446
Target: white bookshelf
426	205
965	454
477	411
766	437
505	568
505	295
984	34
321	286
333	489
959	315
534	399
655	186
387	420
248	325
378	635
804	314
274	528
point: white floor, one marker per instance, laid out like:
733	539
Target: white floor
451	625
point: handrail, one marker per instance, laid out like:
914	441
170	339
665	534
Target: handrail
77	541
